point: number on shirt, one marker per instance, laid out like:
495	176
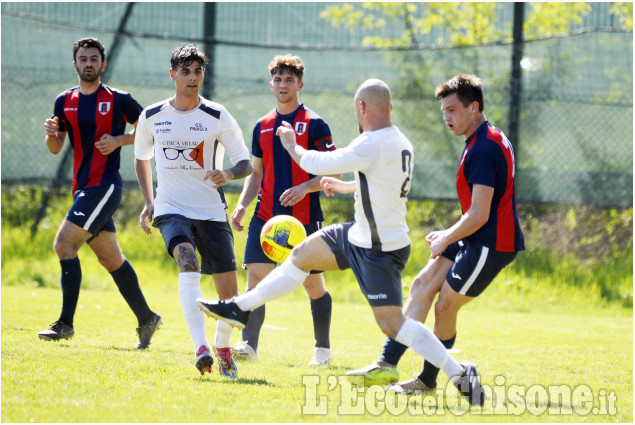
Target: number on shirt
406	167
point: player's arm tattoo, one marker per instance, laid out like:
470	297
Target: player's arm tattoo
187	260
242	169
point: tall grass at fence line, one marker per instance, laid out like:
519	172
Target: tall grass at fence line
544	275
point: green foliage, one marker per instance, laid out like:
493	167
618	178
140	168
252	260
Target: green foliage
584	252
459	24
624	12
553	18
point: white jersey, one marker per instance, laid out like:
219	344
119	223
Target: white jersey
185	145
382	161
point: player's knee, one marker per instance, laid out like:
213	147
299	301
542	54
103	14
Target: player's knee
301	257
443	309
63	249
423	289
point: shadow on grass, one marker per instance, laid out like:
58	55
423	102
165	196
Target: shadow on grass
239	380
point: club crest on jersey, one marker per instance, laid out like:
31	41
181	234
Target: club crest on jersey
300	128
103	107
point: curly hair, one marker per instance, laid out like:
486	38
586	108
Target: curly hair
468	89
289	63
89	42
185	55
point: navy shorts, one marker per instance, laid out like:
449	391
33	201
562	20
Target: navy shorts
93	208
253	249
378	272
475	266
214	240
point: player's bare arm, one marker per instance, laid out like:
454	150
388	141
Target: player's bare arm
221	177
108	143
248	194
332	184
144	176
54	138
470	222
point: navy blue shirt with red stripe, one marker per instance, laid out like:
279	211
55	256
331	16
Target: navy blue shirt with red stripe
87	118
280	171
488	159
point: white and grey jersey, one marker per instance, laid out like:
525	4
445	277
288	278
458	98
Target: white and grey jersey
382	161
185	145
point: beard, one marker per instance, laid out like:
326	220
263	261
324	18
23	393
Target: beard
89	78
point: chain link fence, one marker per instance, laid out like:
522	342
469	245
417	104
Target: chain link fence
575	141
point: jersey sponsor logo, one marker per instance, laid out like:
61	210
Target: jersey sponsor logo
160	123
199	159
266	130
103	107
300	128
70	109
377	296
162	130
198	127
79	213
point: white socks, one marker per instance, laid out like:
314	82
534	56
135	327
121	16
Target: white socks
422	340
223	334
282	280
189	291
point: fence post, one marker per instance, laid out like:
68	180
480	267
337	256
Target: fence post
516	80
209	35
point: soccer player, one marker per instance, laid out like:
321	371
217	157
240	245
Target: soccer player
283	187
465	258
376	245
188	135
94	116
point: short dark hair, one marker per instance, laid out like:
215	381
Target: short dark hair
468	89
290	63
185	55
89	42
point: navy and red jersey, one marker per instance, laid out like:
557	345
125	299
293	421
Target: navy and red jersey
280	171
87	118
488	159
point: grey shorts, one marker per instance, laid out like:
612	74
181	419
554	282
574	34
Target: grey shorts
214	240
378	272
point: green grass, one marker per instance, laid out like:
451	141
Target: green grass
97	377
549	319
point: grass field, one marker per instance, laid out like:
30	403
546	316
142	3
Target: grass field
97	377
553	339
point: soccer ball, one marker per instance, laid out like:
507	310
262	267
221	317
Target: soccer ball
280	235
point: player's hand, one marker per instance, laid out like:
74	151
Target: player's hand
330	185
287	135
437	242
218	177
107	144
146	217
237	217
292	196
51	126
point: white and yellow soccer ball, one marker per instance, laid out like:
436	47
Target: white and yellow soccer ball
280	235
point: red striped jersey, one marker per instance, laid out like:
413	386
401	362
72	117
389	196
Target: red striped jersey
488	159
280	171
87	118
